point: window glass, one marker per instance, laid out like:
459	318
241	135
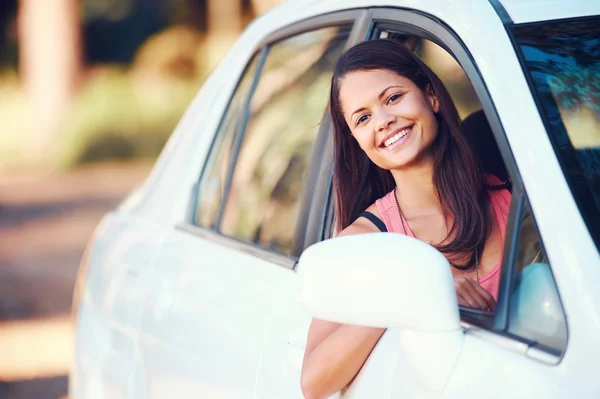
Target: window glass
285	113
536	312
210	191
562	59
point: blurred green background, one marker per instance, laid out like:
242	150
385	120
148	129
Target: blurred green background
93	80
90	90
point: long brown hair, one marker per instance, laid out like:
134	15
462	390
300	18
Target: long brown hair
358	182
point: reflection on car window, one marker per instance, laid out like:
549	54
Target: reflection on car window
536	312
285	113
563	61
212	182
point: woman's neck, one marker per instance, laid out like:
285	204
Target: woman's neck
415	189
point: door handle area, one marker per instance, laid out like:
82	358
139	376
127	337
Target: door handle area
291	352
297	343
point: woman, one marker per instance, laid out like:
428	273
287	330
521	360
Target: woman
402	165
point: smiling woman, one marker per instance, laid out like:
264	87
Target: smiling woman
402	165
390	146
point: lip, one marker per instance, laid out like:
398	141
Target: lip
395	132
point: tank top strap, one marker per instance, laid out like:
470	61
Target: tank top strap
389	213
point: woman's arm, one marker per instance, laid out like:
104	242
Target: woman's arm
334	355
336	352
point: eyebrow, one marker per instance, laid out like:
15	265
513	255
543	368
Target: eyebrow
379	97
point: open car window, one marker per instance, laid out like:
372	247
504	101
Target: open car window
530	298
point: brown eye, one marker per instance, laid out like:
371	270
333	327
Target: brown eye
393	98
361	119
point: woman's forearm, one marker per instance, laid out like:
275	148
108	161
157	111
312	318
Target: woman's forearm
334	362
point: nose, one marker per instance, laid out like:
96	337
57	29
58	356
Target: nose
384	119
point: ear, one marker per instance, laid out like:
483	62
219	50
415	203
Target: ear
433	99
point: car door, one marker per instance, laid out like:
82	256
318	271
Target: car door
217	278
522	349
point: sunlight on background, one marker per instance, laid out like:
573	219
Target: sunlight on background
38	348
90	91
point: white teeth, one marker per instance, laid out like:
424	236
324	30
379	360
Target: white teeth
396	137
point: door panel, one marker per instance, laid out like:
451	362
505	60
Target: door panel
483	370
109	312
206	319
281	369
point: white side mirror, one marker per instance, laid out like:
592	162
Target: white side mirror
379	280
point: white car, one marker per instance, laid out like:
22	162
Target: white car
195	285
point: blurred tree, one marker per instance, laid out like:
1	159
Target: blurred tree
49	65
115	29
261	6
8	56
188	12
224	24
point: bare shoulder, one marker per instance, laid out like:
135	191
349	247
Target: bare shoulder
362	225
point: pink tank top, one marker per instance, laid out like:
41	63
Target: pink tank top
500	200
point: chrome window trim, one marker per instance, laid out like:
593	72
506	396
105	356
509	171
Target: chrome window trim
192	211
238	138
494	338
542	356
511	343
284	261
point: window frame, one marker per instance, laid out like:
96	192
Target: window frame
261	55
521	204
356	19
420	24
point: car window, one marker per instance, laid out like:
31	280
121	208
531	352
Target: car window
529	303
562	59
535	309
212	183
284	112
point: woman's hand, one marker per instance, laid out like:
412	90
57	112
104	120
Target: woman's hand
471	294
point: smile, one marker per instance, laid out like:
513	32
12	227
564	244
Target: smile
397	135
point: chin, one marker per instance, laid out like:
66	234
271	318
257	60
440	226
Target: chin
410	161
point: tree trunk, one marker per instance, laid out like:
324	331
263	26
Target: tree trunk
49	65
262	6
224	23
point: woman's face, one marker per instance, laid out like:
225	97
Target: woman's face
392	120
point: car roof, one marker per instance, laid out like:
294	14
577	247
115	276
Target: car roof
518	11
523	11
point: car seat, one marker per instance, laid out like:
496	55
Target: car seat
479	134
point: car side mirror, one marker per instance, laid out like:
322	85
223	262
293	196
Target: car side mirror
379	280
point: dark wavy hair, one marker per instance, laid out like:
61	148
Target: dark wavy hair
457	178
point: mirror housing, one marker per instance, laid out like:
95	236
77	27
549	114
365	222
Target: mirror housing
379	280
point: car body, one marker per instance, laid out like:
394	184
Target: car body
189	288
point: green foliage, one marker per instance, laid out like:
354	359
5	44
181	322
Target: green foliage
121	115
